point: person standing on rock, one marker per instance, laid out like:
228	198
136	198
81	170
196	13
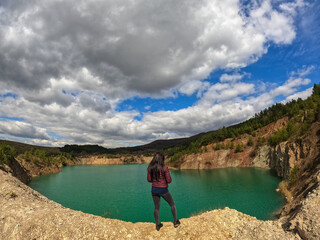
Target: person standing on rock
159	176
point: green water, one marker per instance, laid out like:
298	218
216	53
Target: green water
122	191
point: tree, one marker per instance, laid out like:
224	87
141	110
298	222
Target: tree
250	141
239	148
6	153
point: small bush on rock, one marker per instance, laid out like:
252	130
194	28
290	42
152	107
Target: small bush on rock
6	153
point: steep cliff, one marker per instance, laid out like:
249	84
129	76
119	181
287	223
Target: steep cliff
302	213
17	170
24	170
282	158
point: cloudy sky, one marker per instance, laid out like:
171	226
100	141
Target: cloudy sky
127	72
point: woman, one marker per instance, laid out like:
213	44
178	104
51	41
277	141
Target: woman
159	175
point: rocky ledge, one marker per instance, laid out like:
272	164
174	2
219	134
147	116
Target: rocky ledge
26	214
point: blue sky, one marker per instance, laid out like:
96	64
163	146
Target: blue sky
274	67
126	73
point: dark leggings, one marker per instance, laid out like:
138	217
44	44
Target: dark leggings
156	201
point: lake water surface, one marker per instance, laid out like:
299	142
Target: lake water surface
122	191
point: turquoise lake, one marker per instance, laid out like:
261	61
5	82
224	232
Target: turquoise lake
122	191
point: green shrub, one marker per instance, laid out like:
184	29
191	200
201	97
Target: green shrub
250	141
283	134
239	148
253	153
177	158
46	158
129	160
293	174
6	153
261	141
217	146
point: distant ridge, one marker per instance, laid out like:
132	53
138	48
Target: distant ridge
22	147
157	145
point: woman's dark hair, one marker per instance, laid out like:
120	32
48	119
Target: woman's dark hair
156	166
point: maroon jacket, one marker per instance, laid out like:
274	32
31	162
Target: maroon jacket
164	179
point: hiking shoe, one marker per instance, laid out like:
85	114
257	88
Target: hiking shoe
158	226
176	223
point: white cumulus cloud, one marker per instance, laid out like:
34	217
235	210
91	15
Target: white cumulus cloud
68	64
121	48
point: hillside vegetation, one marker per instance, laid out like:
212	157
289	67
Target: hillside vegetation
301	114
6	153
20	148
43	156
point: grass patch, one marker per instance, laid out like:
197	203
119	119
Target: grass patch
293	174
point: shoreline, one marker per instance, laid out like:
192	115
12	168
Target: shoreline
243	172
298	222
50	220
